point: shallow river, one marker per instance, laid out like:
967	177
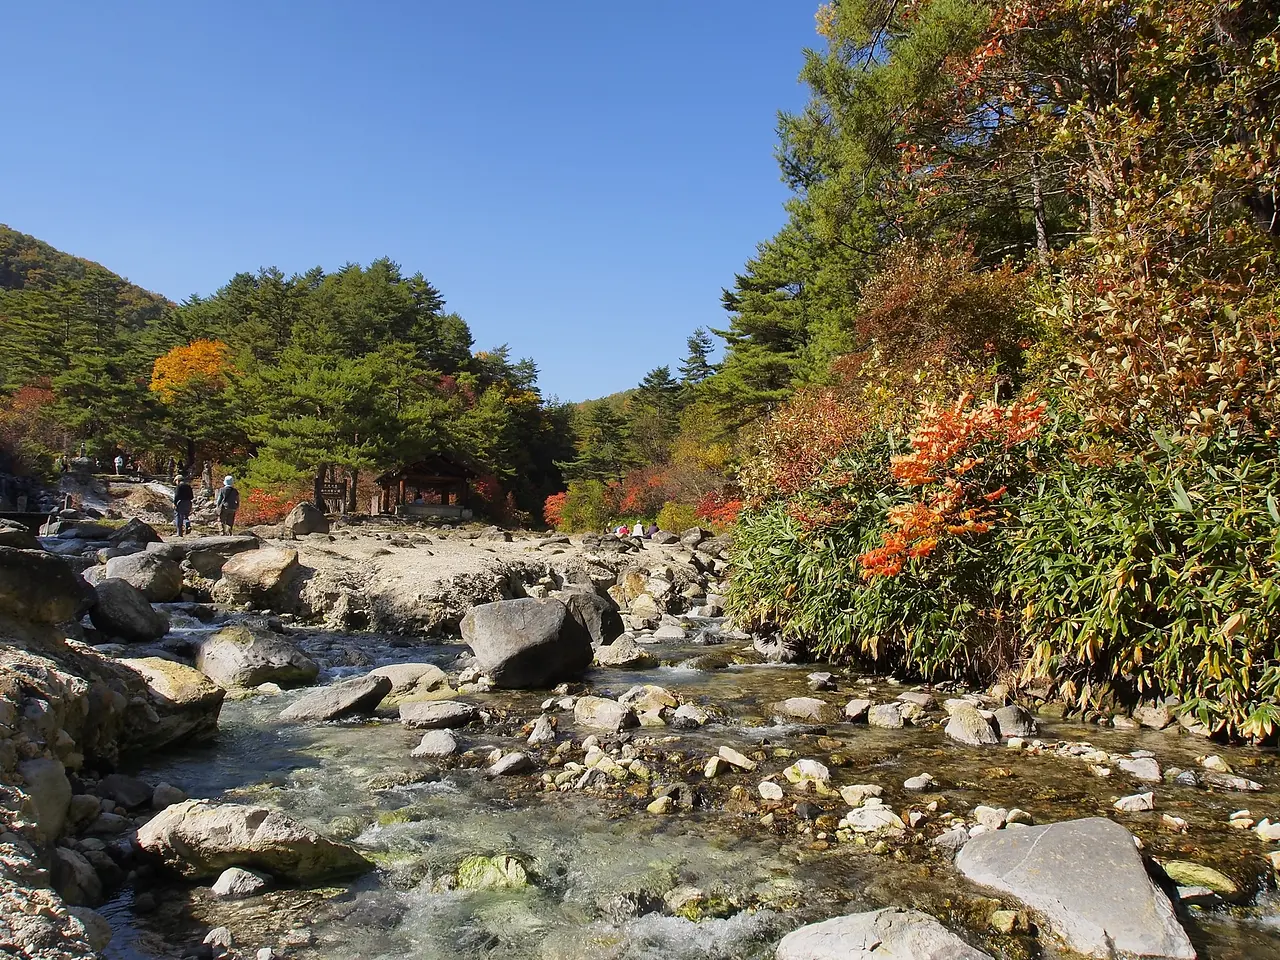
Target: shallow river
600	865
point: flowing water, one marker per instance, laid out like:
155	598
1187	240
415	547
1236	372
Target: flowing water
600	865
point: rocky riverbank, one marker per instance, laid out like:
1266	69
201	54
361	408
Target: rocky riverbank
678	793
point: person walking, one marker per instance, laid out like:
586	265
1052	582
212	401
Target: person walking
182	497
119	465
228	502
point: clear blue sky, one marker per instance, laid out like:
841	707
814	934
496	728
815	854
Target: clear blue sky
578	179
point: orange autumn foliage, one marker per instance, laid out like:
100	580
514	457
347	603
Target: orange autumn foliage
206	361
948	447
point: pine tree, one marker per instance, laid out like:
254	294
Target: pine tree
697	366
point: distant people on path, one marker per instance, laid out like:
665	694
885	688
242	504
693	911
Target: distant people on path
182	497
621	531
119	464
637	528
228	502
63	466
650	531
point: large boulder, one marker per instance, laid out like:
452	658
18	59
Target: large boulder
305	518
889	934
38	586
18	536
242	655
205	556
159	578
49	793
1088	880
437	714
343	699
970	727
257	576
593	615
523	644
135	531
186	702
410	680
198	838
123	611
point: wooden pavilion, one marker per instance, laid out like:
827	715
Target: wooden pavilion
435	487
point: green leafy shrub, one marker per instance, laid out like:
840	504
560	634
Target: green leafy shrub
1158	575
677	516
586	507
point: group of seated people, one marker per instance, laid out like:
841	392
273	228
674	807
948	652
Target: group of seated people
637	529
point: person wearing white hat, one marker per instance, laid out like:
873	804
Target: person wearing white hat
228	502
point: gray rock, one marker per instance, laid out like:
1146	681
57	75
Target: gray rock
625	653
245	656
969	727
780	649
923	781
1014	721
135	531
600	713
1154	715
436	743
359	695
592	615
809	709
1141	768
128	792
159	578
1088	880
49	791
166	795
436	714
670	632
1228	781
950	841
510	764
261	576
544	731
885	715
185	702
889	934
522	643
856	709
17	536
305	518
201	839
235	883
97	931
205	555
74	878
688	716
123	611
410	680
921	698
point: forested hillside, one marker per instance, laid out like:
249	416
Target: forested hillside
275	376
1002	395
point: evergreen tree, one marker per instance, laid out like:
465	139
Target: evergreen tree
697	365
602	443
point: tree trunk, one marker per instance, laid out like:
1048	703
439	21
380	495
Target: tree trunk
191	454
351	493
1037	209
318	497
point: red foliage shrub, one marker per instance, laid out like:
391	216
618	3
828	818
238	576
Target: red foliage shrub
797	443
269	505
553	509
719	510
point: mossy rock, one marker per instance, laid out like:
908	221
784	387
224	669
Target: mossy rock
502	872
1187	874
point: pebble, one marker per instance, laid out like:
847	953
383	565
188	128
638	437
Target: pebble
1138	803
511	763
807	770
822	681
1267	830
732	756
661	805
920	782
1215	763
855	794
712	769
769	790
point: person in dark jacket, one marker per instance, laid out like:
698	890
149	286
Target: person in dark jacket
228	502
182	498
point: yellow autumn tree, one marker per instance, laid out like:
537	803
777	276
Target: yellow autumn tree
200	362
